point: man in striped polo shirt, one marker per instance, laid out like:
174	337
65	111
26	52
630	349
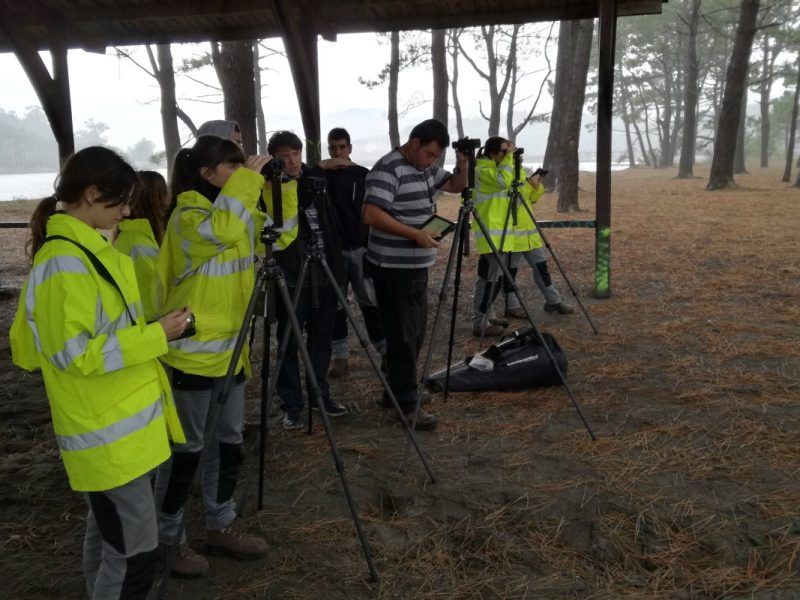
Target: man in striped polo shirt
399	198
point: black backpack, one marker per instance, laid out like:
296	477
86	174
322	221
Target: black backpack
520	362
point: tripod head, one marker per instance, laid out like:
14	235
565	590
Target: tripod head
273	171
468	146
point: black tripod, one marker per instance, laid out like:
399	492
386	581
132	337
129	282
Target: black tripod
315	261
460	247
516	200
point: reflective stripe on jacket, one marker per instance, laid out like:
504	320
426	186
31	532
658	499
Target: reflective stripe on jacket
136	239
206	263
110	399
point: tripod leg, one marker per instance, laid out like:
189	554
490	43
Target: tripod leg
362	338
210	428
539	336
284	341
560	268
453	316
297	332
495	282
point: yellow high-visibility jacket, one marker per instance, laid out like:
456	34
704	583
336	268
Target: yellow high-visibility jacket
492	181
110	399
291	223
525	235
206	263
136	239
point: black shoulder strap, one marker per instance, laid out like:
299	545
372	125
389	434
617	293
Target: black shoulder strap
98	266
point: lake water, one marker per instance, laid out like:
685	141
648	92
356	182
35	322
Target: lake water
38	185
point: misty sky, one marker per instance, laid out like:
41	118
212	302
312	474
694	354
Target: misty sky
118	93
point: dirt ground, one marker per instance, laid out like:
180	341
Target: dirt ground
690	491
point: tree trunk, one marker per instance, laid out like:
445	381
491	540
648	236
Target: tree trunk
453	40
787	172
394	76
261	123
764	91
165	75
629	142
738	160
691	92
735	86
439	68
561	91
666	122
233	62
571	126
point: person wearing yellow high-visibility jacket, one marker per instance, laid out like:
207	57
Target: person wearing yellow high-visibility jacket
139	236
206	262
494	172
317	301
527	244
80	322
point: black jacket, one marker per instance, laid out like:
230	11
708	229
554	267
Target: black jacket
346	192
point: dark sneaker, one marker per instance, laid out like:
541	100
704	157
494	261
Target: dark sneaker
560	308
488	330
516	313
187	563
236	542
425	420
339	367
290	422
333	409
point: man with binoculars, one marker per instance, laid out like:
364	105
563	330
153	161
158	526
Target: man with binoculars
399	198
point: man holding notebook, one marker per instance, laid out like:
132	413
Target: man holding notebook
399	199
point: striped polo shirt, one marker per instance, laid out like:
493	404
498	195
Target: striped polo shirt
406	193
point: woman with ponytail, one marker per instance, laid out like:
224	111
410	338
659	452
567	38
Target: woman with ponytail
140	235
206	262
80	322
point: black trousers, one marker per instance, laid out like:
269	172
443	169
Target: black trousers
402	296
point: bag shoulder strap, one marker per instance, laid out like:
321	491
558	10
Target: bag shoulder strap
98	266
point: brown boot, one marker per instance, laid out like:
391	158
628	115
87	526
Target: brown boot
339	368
503	322
234	541
560	308
187	563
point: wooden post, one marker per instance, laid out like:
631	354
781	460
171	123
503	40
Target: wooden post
607	10
300	41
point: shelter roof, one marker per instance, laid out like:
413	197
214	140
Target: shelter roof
96	24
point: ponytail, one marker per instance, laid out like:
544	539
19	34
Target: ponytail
208	151
38	224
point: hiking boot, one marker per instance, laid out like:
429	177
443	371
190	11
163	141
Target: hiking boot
516	313
499	321
333	409
234	541
560	308
186	562
487	330
290	422
425	420
339	368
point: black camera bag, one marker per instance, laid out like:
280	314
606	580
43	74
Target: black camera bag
520	362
